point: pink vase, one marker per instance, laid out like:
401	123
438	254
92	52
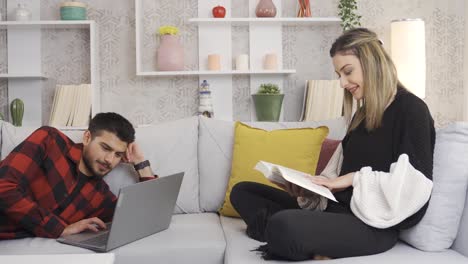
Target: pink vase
265	8
170	54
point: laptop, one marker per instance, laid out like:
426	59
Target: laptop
142	209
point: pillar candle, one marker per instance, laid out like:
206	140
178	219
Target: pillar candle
214	62
242	62
270	62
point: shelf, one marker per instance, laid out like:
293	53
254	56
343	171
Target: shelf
283	20
19	76
178	73
59	24
71	128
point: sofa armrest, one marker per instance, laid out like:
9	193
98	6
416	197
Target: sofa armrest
461	242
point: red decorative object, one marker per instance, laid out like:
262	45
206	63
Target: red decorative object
219	11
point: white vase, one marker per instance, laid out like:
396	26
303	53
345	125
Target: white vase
22	13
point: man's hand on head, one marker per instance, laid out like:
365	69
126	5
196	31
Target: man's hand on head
93	224
134	154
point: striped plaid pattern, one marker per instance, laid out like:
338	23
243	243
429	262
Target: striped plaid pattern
42	191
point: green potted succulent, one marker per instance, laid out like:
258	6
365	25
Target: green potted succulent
347	12
17	112
268	101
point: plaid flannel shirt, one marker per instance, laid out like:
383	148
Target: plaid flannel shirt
42	190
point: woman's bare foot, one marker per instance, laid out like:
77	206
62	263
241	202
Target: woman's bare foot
318	257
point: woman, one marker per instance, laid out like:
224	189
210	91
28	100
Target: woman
390	126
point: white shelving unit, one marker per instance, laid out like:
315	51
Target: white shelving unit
292	21
43	24
178	73
25	78
16	76
265	36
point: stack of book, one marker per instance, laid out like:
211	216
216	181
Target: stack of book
71	106
323	100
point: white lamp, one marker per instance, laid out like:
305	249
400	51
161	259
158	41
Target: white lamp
408	49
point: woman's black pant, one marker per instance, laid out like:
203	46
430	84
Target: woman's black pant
273	216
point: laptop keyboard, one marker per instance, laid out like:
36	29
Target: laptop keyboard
100	240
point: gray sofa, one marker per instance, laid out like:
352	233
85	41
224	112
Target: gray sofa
203	148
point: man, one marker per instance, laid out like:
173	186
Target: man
51	187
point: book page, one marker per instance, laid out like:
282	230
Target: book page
303	179
268	169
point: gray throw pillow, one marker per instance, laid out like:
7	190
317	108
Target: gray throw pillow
438	228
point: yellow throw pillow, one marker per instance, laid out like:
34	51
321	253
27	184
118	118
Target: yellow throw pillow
297	148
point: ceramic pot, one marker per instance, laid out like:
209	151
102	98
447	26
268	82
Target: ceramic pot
170	54
265	8
268	106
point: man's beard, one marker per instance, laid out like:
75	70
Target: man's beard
87	162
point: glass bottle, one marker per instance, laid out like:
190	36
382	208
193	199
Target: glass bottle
22	13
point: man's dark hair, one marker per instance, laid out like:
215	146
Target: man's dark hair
113	123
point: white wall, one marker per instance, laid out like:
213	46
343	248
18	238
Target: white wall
153	100
465	80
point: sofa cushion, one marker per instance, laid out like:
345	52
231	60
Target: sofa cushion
438	228
172	147
461	243
12	136
297	148
37	245
191	238
216	137
239	250
326	152
93	258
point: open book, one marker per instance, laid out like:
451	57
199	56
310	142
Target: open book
280	174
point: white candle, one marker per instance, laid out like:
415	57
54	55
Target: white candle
242	62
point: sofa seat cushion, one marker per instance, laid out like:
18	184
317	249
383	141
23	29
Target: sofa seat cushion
191	238
239	246
38	246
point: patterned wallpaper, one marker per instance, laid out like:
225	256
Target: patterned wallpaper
153	100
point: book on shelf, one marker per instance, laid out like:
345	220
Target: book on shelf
71	106
323	100
281	175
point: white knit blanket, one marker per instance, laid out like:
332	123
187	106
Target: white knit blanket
384	199
380	199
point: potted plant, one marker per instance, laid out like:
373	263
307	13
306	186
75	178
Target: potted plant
268	101
347	12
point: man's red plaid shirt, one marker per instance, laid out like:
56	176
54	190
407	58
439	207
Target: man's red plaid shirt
42	191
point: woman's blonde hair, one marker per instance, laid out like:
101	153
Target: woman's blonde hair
380	79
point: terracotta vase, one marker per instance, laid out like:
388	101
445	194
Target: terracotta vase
265	8
170	54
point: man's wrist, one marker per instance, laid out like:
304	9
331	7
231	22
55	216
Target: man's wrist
141	165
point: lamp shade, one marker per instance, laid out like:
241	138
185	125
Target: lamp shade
408	49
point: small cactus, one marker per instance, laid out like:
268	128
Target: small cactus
17	112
